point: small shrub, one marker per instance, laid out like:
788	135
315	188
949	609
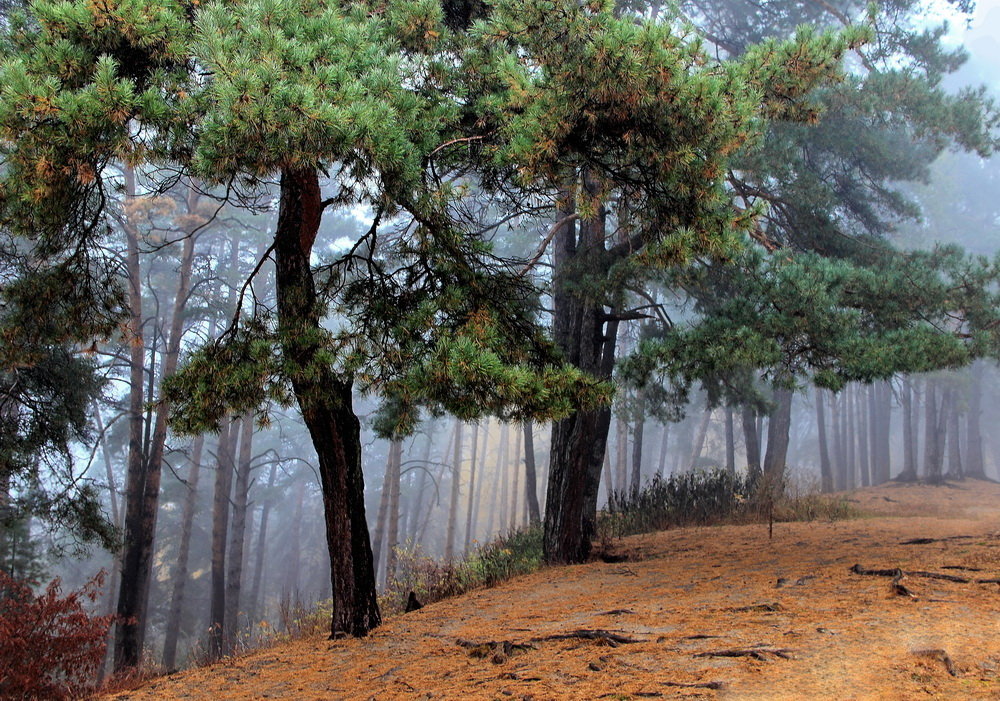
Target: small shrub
688	498
50	647
517	552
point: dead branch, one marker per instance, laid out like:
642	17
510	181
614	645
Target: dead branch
858	569
694	685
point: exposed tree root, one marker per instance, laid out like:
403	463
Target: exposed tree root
603	636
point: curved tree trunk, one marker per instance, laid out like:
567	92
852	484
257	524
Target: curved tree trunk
326	402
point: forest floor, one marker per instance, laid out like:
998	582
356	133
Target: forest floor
710	612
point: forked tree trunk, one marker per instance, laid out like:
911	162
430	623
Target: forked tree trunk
587	337
326	402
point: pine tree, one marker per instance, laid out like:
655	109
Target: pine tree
240	93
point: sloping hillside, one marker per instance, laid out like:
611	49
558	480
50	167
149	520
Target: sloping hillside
720	612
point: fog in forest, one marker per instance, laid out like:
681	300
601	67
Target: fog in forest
240	530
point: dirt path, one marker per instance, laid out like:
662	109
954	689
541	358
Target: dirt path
812	627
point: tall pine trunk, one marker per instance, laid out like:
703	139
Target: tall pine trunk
137	554
326	402
587	336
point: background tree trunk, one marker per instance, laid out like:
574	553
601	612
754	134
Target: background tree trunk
974	463
751	440
220	524
241	497
456	482
778	427
530	478
183	554
825	468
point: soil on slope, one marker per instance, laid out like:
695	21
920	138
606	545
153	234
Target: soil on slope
808	625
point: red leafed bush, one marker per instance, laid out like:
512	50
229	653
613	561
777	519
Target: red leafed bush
50	647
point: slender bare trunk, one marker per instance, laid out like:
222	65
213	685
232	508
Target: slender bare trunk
183	556
530	479
238	529
456	482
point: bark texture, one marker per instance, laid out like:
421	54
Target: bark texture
326	402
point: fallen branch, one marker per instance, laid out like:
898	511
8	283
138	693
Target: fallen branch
759	652
759	608
858	569
694	685
927	541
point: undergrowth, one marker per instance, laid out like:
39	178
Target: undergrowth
514	553
704	497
